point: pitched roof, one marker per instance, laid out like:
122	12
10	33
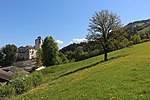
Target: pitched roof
5	75
11	68
30	47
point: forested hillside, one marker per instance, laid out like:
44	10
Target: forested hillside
133	33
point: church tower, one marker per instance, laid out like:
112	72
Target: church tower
38	43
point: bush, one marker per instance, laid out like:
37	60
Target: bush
136	39
18	82
6	91
19	85
35	79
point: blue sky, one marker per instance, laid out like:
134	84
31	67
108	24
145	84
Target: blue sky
22	21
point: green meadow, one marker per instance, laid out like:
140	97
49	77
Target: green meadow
126	76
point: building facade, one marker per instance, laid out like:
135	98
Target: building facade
29	52
26	53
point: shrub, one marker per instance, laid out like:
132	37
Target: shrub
19	85
18	82
6	91
136	39
36	79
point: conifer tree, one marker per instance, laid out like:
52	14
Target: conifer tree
50	52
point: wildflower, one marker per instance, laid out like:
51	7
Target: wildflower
112	98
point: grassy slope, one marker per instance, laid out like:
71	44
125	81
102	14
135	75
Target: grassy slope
127	76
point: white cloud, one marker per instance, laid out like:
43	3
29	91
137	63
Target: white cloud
70	42
59	41
78	40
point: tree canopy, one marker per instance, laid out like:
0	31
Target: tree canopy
39	55
8	55
50	52
100	27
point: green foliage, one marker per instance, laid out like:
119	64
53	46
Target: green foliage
94	53
18	82
1	58
135	39
39	55
9	52
81	55
50	52
63	58
119	39
140	28
88	49
6	91
78	53
36	79
69	55
145	34
137	26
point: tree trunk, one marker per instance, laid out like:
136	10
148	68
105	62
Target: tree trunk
105	56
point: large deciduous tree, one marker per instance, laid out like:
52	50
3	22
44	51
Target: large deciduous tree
50	52
101	25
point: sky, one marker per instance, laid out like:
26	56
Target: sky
22	21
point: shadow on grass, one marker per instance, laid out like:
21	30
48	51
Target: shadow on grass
120	56
89	66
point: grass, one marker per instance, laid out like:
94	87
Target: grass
125	77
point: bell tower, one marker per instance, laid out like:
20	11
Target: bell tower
38	43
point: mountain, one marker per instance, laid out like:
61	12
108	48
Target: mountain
138	26
140	22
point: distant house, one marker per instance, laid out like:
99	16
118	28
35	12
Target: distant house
29	52
11	69
5	76
25	53
7	72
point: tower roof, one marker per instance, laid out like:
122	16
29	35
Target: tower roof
39	37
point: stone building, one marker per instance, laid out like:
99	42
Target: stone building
29	52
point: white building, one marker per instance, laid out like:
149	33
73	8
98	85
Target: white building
29	52
26	53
